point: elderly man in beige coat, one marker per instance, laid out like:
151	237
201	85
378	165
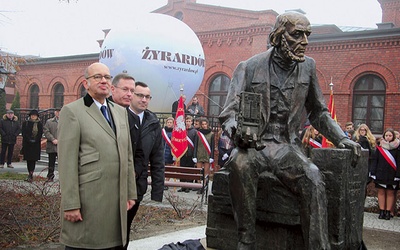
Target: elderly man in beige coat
96	167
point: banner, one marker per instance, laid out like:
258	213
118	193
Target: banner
179	142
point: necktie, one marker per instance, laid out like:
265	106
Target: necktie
104	112
137	119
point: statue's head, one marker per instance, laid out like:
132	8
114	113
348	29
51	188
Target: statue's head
290	34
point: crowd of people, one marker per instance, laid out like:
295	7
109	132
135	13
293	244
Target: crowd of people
384	156
201	141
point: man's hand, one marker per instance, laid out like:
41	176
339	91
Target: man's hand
73	215
230	127
355	147
130	204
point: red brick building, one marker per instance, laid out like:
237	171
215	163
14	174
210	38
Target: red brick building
363	65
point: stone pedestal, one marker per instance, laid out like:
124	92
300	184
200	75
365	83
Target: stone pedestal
278	220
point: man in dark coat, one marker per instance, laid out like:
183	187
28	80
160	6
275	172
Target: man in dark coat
286	80
195	108
175	106
147	142
9	130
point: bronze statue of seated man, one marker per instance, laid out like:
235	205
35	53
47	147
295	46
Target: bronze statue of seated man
285	80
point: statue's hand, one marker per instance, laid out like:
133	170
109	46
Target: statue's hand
355	147
242	143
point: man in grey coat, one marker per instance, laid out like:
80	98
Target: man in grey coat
287	84
95	166
50	132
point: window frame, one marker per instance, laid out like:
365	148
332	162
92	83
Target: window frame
370	92
212	104
34	91
58	97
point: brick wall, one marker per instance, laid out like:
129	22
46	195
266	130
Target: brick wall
229	36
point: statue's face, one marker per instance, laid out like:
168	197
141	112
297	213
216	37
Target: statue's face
295	38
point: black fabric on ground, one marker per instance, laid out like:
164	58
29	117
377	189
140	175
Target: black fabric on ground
186	245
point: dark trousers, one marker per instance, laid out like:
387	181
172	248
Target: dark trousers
4	147
31	166
52	165
131	215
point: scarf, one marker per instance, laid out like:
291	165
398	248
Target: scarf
205	131
390	145
35	127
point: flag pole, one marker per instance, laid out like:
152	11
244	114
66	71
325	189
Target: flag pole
181	89
331	109
179	136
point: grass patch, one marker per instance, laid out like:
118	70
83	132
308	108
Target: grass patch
13	176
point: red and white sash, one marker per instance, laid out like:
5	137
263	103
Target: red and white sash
205	142
388	157
207	146
166	138
190	142
314	143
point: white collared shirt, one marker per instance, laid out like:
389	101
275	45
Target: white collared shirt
98	104
140	115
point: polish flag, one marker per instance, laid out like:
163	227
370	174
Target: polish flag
179	143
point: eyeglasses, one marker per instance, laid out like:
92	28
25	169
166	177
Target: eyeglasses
141	96
99	77
126	90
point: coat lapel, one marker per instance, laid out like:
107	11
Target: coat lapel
98	117
261	83
116	118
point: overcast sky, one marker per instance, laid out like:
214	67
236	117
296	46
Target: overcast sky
50	28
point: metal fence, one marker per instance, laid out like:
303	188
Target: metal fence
44	115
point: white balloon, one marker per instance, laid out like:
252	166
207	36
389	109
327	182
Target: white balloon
162	52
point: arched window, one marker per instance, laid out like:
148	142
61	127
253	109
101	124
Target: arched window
369	102
82	91
58	94
217	94
179	15
34	96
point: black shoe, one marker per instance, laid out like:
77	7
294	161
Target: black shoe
49	180
165	188
181	190
29	179
381	214
187	190
387	215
